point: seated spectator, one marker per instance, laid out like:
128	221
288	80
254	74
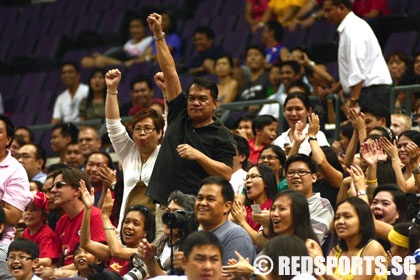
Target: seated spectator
404	152
398	63
38	231
212	208
66	107
26	133
254	10
85	262
133	51
257	85
138	223
207	248
89	140
289	214
330	172
290	71
67	196
404	239
261	188
243	126
157	255
297	109
93	106
371	9
264	128
301	175
274	157
272	38
172	39
74	157
240	164
202	62
17	143
33	158
101	176
274	77
354	225
62	135
228	86
142	96
284	11
22	257
400	123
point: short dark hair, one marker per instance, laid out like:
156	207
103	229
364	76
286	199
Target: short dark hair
203	83
2	219
24	245
72	176
72	63
145	113
200	238
10	128
247	117
398	197
227	56
206	31
40	153
366	223
301	96
105	154
227	190
140	79
243	148
277	28
346	3
303	158
187	201
293	64
67	129
300	84
258	48
31	133
262	121
378	111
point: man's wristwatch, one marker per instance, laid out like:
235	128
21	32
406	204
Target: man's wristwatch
310	138
363	192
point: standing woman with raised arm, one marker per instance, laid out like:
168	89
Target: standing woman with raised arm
137	153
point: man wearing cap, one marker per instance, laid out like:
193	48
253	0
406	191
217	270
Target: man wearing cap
35	217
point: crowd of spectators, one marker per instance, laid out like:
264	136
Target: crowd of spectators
130	202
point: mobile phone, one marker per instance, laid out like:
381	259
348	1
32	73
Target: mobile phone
256	208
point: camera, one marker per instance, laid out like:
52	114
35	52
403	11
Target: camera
139	270
179	219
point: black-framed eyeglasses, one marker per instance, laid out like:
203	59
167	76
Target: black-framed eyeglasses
59	185
268	157
20	258
146	129
252	176
300	173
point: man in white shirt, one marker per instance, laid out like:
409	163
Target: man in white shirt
363	72
66	107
